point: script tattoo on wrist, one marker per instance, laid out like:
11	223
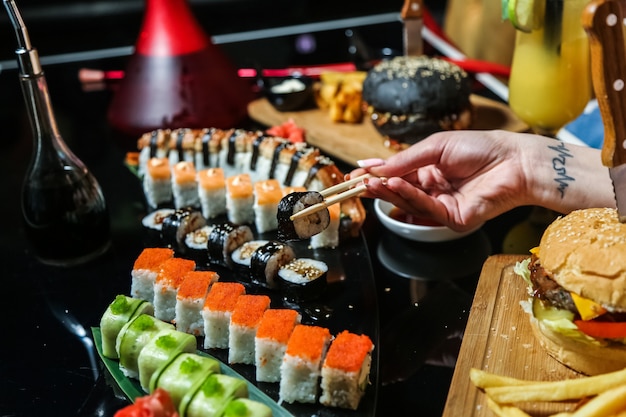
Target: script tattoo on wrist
558	165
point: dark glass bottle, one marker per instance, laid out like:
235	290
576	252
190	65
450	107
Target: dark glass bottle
176	77
65	214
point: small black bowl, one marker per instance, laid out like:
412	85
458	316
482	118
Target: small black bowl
288	93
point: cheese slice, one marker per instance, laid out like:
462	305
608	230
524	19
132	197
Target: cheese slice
587	309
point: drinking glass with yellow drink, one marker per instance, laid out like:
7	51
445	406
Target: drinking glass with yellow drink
550	82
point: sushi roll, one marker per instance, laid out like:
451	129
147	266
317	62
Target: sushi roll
303	279
345	373
245	407
196	245
152	225
242	255
159	350
267	260
145	270
329	237
216	312
118	313
190	301
243	325
211	396
131	339
184	185
267	195
302	364
185	370
177	225
212	192
305	227
240	199
224	239
270	342
157	182
166	287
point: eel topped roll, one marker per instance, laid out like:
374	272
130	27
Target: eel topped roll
305	227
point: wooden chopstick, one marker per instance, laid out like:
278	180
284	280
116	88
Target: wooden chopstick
337	188
335	196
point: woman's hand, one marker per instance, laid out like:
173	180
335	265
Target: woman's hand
463	178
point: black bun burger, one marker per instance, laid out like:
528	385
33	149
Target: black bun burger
409	98
577	280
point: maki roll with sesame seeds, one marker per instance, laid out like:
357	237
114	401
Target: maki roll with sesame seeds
304	227
303	279
267	260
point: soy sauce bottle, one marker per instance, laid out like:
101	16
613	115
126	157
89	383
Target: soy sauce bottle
64	210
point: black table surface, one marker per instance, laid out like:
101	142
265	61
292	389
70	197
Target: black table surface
48	365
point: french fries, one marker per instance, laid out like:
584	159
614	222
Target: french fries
598	396
341	94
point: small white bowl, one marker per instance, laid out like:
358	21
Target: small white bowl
418	233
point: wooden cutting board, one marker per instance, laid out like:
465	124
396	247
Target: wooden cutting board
351	142
498	339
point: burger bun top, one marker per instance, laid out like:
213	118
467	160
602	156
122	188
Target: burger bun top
585	251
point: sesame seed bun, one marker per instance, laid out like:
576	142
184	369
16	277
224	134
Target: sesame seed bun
409	98
585	252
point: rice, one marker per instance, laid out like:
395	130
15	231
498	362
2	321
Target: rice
166	287
216	312
270	342
244	322
301	367
190	301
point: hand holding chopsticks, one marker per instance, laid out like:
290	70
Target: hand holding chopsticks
335	194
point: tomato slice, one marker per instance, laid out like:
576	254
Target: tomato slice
602	329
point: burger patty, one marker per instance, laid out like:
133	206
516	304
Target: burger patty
548	290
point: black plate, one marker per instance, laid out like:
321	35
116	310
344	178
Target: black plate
348	303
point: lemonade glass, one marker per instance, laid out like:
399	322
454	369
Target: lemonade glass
550	82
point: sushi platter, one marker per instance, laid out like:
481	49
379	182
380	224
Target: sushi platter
342	300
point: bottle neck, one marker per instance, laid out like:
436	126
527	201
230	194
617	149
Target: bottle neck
170	28
49	144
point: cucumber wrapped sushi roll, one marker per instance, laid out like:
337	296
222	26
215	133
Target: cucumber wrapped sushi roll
305	227
211	396
303	279
163	346
184	371
245	407
117	314
267	260
133	336
224	239
178	224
